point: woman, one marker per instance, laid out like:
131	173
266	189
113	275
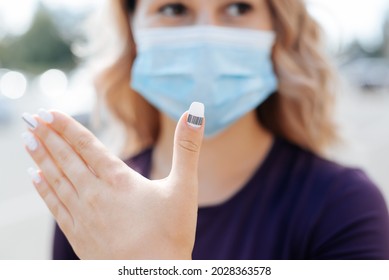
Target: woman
258	189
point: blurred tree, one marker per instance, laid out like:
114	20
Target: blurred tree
39	49
385	47
357	50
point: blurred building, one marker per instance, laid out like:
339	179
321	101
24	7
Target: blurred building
367	68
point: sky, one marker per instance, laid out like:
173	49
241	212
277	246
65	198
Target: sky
343	20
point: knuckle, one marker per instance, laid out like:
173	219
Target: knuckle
54	209
63	155
64	193
40	157
188	145
43	134
44	191
64	126
84	142
58	183
118	178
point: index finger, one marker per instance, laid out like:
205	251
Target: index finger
91	150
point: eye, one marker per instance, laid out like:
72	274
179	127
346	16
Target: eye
238	9
173	10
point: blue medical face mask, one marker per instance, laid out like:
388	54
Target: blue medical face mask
228	69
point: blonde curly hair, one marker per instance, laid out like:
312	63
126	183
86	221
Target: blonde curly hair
300	111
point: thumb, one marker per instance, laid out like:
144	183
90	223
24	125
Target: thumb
187	142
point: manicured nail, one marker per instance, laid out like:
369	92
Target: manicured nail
196	114
46	115
34	175
30	120
30	141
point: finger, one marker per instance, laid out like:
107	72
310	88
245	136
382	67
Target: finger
66	158
92	151
56	207
187	142
55	178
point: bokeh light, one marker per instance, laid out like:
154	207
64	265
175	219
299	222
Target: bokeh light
16	16
13	85
53	83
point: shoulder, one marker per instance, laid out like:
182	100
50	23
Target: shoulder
346	213
338	184
353	221
323	173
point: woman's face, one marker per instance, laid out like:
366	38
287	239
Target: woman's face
252	14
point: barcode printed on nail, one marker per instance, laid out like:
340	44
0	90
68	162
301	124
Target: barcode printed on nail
195	120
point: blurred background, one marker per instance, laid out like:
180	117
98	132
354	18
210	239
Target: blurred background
41	67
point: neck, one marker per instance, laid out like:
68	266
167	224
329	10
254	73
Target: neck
226	161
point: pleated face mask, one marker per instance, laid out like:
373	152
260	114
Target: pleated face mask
228	69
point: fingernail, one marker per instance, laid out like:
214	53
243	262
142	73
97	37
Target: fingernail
30	141
45	115
196	114
30	120
34	175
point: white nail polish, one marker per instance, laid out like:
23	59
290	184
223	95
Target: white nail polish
34	175
30	120
46	115
196	114
30	141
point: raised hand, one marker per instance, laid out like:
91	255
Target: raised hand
106	209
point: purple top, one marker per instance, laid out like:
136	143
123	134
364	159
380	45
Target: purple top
296	206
